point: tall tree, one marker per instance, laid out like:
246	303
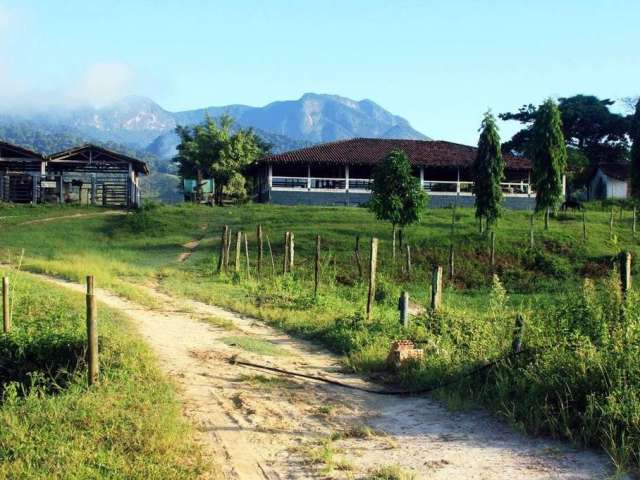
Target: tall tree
548	151
635	151
488	172
396	195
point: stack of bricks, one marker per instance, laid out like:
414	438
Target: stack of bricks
403	351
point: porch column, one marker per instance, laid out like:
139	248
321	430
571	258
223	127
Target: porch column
346	178
61	187
270	176
422	177
309	177
564	185
35	180
458	182
94	192
529	183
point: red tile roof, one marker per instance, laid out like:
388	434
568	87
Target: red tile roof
359	151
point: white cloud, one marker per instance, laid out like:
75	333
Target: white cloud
103	83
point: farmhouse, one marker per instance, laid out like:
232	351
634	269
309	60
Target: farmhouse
339	173
88	175
610	180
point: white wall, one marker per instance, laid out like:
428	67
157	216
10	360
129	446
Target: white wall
614	188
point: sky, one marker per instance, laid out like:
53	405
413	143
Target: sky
439	64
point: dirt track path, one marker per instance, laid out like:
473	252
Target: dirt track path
72	216
278	428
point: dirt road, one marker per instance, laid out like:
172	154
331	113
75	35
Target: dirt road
269	427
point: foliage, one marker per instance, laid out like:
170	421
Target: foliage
236	189
635	152
211	149
549	154
396	195
488	171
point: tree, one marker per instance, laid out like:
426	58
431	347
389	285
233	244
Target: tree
212	149
635	151
548	151
396	195
488	172
592	133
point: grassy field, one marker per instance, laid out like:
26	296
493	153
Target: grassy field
579	378
53	426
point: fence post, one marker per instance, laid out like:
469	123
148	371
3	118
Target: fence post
238	249
493	247
633	228
373	260
223	248
246	252
260	249
625	271
358	258
408	254
285	255
518	333
584	226
403	306
273	262
451	262
436	288
228	250
291	251
531	239
93	367
316	277
6	306
611	225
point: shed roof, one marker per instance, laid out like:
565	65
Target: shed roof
15	151
617	171
93	153
359	151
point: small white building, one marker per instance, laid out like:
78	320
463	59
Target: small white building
611	180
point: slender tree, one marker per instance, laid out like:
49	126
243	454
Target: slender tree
396	195
548	151
488	172
635	152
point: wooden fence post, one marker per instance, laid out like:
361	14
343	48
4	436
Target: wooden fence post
531	239
238	250
223	248
285	260
518	332
246	252
273	262
358	257
493	247
403	306
451	262
93	366
436	288
291	251
373	260
228	251
6	306
611	225
260	249
584	226
625	271
393	244
408	259
317	268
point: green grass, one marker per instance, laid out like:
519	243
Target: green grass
580	384
255	345
53	426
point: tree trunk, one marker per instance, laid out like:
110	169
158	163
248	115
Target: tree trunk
199	180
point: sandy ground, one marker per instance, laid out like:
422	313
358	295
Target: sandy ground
262	426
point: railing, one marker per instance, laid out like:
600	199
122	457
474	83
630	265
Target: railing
434	187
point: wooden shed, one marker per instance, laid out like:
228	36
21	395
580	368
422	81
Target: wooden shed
20	169
93	175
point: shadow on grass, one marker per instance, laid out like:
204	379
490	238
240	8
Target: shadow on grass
54	358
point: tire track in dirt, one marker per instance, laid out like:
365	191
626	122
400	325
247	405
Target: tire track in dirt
276	428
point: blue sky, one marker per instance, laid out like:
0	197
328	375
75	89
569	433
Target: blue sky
440	64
